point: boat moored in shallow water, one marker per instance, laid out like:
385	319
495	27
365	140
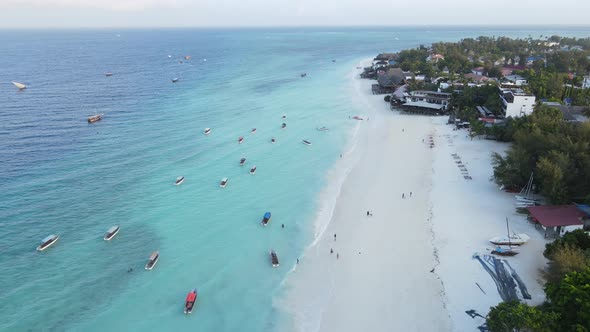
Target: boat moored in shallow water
189	303
306	142
111	233
179	180
266	219
253	169
283	126
108	74
207	131
272	140
174	80
274	259
153	260
253	130
322	129
223	182
242	161
47	242
240	139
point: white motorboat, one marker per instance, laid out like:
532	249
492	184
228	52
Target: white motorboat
253	131
242	161
306	142
20	86
223	182
283	126
153	260
240	140
322	129
47	242
179	180
111	233
253	169
207	131
174	80
108	74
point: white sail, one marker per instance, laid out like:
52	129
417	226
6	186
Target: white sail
19	85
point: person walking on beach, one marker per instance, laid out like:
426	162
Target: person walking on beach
337	255
282	225
410	194
367	213
297	260
331	251
334	236
403	195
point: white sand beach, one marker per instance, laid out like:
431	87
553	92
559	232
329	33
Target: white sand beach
409	266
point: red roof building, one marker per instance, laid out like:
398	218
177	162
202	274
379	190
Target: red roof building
559	216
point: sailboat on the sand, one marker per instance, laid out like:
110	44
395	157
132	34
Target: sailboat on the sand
509	240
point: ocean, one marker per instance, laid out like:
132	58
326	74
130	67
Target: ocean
61	175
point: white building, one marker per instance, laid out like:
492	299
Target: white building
586	83
516	103
516	80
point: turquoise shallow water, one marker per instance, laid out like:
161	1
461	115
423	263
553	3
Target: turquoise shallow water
60	175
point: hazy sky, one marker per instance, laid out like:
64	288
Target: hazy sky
199	13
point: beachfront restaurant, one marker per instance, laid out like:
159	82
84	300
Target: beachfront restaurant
558	219
426	102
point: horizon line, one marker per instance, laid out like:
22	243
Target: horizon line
251	27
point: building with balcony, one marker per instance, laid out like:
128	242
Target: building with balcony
516	103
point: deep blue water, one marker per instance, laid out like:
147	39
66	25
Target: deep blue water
60	175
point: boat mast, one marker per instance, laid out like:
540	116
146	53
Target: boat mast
508	229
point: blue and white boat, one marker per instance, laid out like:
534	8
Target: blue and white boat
47	242
265	219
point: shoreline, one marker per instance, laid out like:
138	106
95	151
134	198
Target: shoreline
410	266
324	289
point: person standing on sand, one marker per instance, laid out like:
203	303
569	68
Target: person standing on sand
410	194
297	260
367	213
403	195
331	251
334	236
337	255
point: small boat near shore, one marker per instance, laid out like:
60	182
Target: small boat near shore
273	140
322	128
111	233
174	80
283	126
356	117
240	140
95	118
108	74
253	170
20	86
505	251
304	75
189	303
223	182
266	219
153	260
207	131
306	142
179	180
242	161
284	116
253	131
47	242
274	259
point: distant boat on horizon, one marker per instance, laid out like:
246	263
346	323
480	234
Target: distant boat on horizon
95	118
174	80
20	86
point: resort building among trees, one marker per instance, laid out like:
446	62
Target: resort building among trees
516	103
